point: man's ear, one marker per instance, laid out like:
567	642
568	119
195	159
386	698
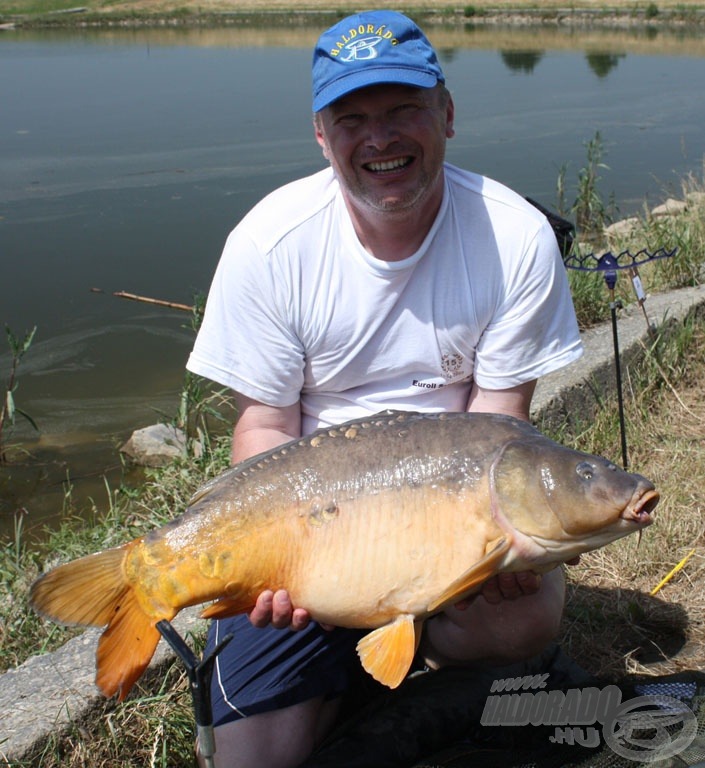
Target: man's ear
450	117
320	138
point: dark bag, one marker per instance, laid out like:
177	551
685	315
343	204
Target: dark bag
563	229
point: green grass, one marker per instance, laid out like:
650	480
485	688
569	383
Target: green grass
36	7
53	13
611	624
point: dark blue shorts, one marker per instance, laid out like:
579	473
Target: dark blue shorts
266	669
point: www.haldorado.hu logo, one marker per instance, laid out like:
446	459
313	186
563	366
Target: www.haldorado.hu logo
643	729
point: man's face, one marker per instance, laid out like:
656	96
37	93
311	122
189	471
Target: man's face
386	144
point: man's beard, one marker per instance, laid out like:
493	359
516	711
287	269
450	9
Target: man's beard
408	201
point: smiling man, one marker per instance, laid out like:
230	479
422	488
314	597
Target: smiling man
391	279
386	145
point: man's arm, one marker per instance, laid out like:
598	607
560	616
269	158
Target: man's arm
259	428
516	402
262	427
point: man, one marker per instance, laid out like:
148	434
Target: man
388	280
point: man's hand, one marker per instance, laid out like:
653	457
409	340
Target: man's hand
275	608
505	586
509	586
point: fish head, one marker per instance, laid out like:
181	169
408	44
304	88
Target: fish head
566	501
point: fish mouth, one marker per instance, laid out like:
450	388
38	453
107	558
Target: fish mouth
640	509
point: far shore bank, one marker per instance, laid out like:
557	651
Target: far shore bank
255	13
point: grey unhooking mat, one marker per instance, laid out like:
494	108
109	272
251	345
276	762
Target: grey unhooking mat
435	720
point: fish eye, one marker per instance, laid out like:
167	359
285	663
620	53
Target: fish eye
585	470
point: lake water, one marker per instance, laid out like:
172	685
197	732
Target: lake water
126	157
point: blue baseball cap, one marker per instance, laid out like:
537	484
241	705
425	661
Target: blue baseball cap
370	48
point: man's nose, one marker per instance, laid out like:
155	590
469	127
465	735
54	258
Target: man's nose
381	133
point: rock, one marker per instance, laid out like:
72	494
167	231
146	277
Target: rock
696	198
155	446
49	694
622	228
670	207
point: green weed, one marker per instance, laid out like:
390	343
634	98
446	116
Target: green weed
682	232
9	409
591	212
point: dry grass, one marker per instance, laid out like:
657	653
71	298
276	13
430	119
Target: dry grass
345	6
681	9
153	728
613	624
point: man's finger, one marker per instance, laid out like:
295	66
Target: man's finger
261	614
282	609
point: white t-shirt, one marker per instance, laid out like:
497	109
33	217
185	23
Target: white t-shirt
299	309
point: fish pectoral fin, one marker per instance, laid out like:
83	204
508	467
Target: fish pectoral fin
386	653
473	577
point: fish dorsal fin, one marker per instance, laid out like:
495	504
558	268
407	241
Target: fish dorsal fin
479	573
387	652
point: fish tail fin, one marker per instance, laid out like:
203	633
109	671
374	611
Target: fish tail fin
125	648
84	592
93	591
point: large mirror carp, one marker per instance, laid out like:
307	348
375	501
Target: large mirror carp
377	523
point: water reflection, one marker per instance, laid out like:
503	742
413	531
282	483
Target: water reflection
127	155
603	63
522	61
